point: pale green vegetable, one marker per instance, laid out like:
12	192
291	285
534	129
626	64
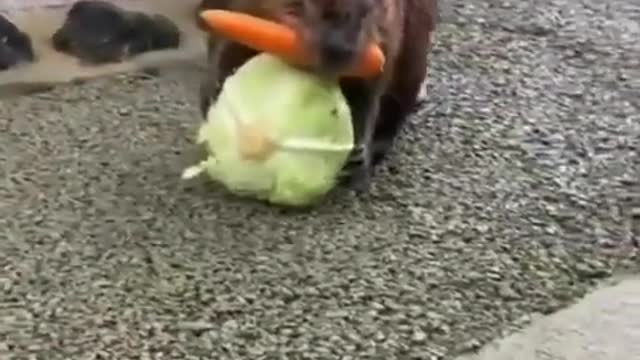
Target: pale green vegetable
276	133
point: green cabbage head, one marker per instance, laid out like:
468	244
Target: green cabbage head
276	133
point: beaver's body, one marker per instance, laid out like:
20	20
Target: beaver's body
335	32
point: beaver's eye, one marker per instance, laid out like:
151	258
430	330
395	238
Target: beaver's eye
330	14
364	8
295	7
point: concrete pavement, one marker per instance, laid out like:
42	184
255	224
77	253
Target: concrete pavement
605	325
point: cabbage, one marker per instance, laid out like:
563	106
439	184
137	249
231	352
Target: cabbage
276	133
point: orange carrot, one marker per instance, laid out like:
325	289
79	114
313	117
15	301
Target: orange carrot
280	40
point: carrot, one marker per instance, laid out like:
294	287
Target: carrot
280	40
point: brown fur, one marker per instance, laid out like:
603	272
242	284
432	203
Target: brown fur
335	31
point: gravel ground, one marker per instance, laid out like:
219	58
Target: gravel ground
510	195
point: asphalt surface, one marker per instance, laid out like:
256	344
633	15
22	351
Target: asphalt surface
511	194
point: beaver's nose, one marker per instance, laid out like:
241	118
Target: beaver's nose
336	49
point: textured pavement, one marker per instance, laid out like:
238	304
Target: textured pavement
512	193
603	326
